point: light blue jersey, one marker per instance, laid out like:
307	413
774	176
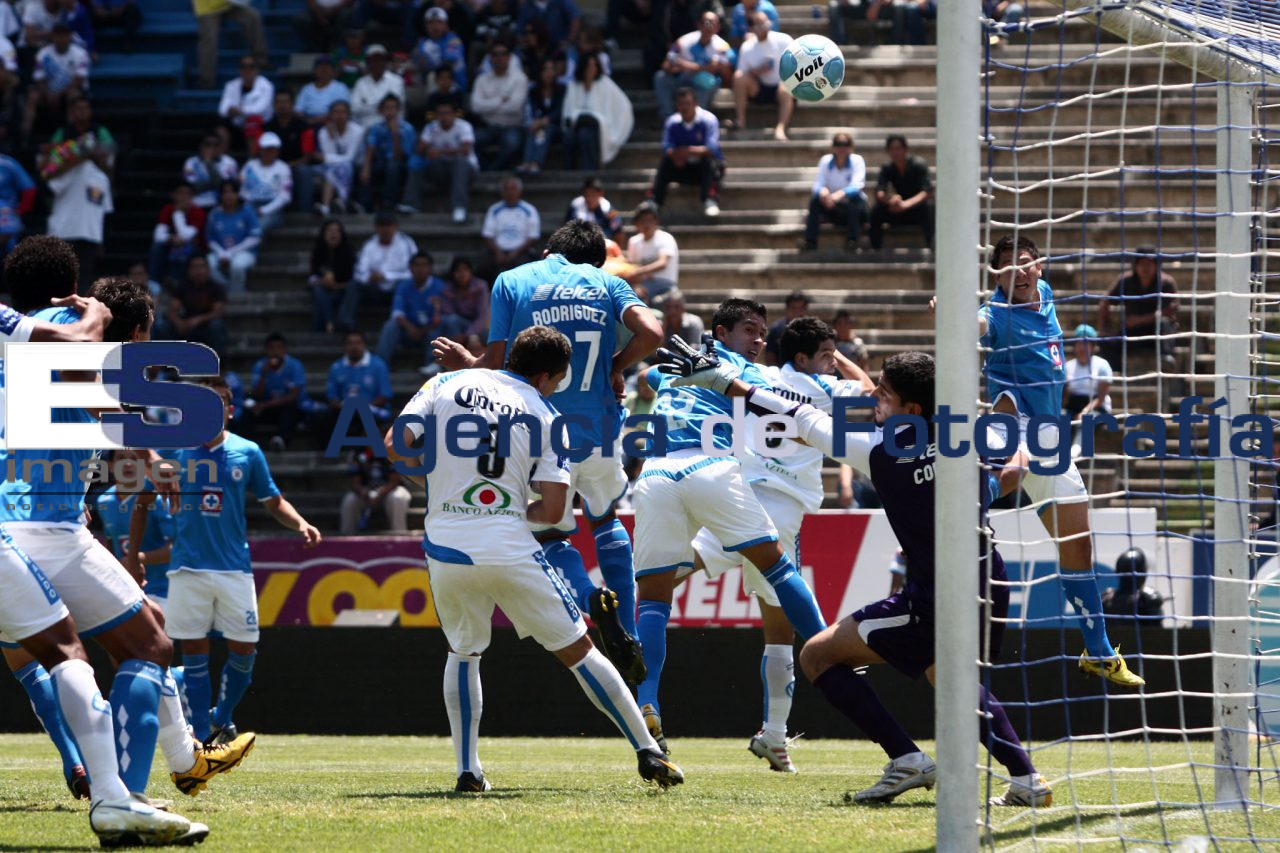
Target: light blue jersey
209	527
1025	358
685	408
585	304
115	511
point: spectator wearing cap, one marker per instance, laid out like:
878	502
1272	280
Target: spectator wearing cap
61	74
543	114
297	143
446	157
266	182
207	169
560	17
654	254
796	306
178	235
690	152
700	61
837	194
1088	376
512	230
321	93
372	89
756	80
903	193
498	100
233	233
209	17
1140	311
246	105
440	48
848	344
349	57
339	152
388	144
323	21
415	312
592	206
383	263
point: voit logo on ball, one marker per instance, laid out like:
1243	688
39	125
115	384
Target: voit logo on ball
812	68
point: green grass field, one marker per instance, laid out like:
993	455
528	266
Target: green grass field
394	793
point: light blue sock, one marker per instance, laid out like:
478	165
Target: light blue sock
44	701
135	701
236	676
795	597
180	679
613	550
1081	589
652	627
568	562
199	691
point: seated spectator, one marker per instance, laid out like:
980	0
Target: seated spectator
741	23
318	97
464	305
561	18
207	169
597	118
266	182
178	235
276	391
495	22
414	316
81	201
498	99
371	90
512	230
446	151
17	197
322	23
700	61
1146	304
246	105
233	233
297	143
374	483
1088	385
588	40
908	18
197	308
795	306
1003	16
849	344
677	321
670	21
459	13
756	79
349	59
654	253
359	373
61	75
439	48
339	150
382	264
690	152
543	112
391	20
904	193
837	194
125	14
333	279
446	91
840	11
592	206
388	144
209	17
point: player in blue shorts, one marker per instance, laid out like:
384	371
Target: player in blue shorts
898	630
568	291
210	577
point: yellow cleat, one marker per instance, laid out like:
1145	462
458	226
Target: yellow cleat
212	759
1113	669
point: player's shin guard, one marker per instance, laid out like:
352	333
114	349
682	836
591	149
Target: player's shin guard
777	675
88	716
852	696
651	623
175	738
795	597
44	701
608	692
135	701
199	693
236	677
1081	589
464	701
568	562
613	550
997	734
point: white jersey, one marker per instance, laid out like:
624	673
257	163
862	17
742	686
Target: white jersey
476	506
15	328
798	475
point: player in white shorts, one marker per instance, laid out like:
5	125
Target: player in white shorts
481	552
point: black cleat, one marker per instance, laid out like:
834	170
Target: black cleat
621	648
470	783
657	768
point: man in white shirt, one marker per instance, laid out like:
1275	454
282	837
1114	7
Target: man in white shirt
61	74
372	88
447	149
1088	380
654	253
756	79
81	201
383	264
248	99
267	182
837	194
512	230
498	99
700	60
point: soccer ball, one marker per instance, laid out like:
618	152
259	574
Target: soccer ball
812	68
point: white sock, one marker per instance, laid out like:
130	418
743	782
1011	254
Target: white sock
607	691
175	737
777	674
464	701
89	717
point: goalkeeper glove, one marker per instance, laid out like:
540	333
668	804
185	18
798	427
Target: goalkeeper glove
699	368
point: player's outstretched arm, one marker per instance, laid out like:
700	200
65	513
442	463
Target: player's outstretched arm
452	355
288	517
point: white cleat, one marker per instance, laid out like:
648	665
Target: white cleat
135	822
1029	791
773	750
913	770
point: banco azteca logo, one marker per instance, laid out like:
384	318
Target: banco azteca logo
487	495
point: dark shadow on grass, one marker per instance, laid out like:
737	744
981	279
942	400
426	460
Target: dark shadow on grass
451	795
26	808
1022	827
